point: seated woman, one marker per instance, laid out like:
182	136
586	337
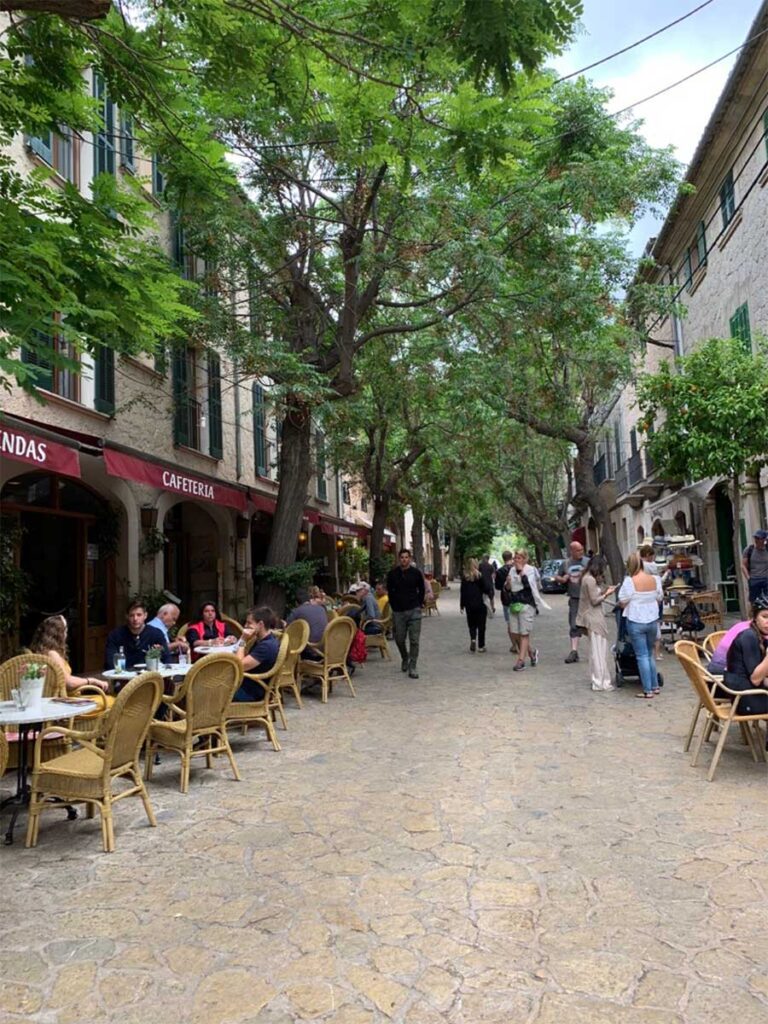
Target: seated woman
50	638
259	623
209	630
747	664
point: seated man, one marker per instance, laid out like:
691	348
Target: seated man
166	618
135	638
311	609
370	609
259	622
382	598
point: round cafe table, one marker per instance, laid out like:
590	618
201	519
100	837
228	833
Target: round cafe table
49	710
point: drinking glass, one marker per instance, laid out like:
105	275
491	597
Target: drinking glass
183	658
119	663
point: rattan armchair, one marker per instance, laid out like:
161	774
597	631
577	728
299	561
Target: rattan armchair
721	712
298	635
709	643
432	605
3	754
85	775
261	712
11	673
378	641
233	625
206	694
334	649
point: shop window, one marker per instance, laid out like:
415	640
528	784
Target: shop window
259	430
104	143
727	199
215	434
739	325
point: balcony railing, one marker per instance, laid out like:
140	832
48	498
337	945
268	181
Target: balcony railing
621	479
635	469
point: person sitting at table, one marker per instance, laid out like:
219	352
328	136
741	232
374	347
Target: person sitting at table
166	618
259	623
747	663
312	610
382	598
135	638
370	609
50	638
209	630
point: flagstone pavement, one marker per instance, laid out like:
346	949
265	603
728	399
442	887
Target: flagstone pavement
473	847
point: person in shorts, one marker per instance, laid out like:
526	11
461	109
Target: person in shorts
521	584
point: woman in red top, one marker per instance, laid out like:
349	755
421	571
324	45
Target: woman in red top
209	631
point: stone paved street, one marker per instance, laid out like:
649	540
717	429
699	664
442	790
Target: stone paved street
474	846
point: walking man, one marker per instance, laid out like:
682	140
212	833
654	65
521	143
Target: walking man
405	586
505	595
754	565
574	569
488	572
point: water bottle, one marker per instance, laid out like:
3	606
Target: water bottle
120	660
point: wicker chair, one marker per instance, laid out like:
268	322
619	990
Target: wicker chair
709	643
721	712
11	673
298	635
234	626
334	648
694	651
261	712
3	754
206	693
85	775
432	605
378	641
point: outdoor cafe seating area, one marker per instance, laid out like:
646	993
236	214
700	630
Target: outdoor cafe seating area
85	748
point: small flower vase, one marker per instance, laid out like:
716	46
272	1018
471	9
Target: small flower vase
153	664
32	694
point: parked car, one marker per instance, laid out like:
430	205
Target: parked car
551	568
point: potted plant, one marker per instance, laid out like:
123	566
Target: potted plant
31	685
153	657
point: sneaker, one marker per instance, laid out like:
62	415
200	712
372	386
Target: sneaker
481	650
471	645
534	657
572	658
404	665
518	666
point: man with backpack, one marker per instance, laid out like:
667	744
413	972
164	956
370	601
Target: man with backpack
754	565
505	595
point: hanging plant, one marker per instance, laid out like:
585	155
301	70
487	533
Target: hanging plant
153	543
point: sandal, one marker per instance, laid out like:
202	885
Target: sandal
645	696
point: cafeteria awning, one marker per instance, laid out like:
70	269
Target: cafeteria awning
39	450
177	479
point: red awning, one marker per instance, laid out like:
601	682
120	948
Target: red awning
173	478
262	502
312	516
38	451
337	527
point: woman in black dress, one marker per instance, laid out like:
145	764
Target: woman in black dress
471	600
747	665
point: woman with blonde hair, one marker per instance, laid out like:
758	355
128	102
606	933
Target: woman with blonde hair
639	596
50	638
471	599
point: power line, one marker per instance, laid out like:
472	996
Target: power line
639	42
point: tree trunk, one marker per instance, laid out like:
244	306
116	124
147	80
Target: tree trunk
437	552
417	539
376	560
554	547
740	581
587	489
295	474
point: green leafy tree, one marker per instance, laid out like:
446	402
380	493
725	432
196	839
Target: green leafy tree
707	415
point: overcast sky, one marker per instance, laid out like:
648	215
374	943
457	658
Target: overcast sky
680	116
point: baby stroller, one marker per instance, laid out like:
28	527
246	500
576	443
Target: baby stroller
624	653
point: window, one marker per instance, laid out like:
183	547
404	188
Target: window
322	483
727	199
633	441
186	410
182	254
345	496
739	324
259	430
617	443
57	149
104	142
215	438
104	379
696	254
127	143
50	375
158	178
210	280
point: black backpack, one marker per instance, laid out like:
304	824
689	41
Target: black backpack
501	577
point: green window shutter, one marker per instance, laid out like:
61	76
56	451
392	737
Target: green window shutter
688	269
104	149
127	143
727	199
701	243
215	433
43	373
180	397
104	380
739	325
161	360
158	178
259	430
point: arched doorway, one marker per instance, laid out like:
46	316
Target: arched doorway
67	545
192	570
640	536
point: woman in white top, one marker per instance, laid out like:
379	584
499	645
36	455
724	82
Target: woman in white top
639	596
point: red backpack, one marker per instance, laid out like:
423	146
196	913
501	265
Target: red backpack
358	652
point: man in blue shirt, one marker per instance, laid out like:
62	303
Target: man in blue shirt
259	622
166	618
135	637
